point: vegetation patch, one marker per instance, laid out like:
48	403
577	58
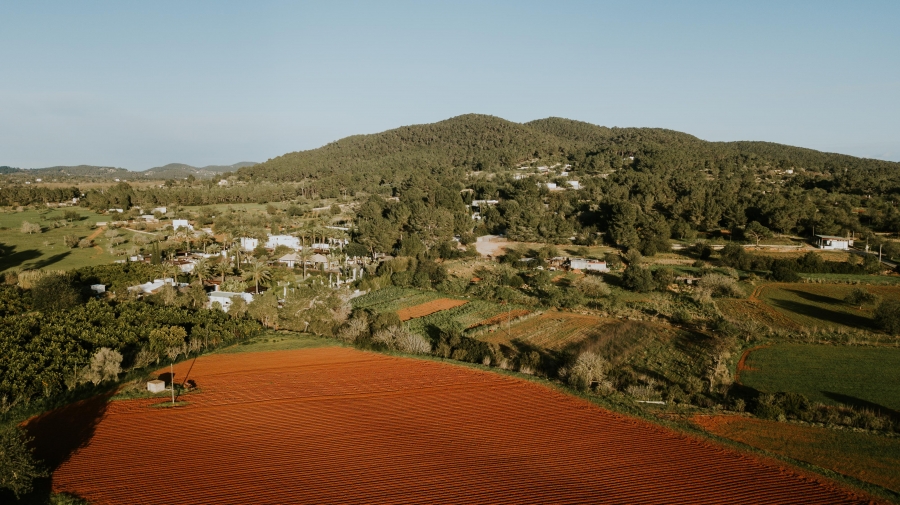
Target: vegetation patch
428	308
823	305
864	456
551	330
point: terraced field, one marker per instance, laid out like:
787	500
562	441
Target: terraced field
551	330
392	299
336	425
428	308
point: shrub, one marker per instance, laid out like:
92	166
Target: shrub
637	278
400	338
71	241
587	369
721	285
860	297
85	243
783	273
355	327
887	316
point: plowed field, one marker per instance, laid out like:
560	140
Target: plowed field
427	308
336	425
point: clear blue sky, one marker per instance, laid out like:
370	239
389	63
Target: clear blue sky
141	84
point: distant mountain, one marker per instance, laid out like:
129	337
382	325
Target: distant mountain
180	170
170	171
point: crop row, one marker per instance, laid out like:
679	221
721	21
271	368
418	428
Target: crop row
335	425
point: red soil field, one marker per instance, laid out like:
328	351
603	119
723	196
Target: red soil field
336	425
424	309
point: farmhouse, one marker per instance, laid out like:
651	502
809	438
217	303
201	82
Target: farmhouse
149	288
833	243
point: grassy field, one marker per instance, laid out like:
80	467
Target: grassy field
861	376
864	456
47	249
822	305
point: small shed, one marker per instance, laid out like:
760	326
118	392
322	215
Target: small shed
156	386
98	288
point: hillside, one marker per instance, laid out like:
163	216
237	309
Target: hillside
478	142
170	171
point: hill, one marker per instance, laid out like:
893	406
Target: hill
181	170
479	142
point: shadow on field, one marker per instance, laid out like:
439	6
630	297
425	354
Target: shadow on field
10	258
59	433
822	313
859	403
814	297
46	262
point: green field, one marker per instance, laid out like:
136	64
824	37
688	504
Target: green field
822	305
867	377
47	249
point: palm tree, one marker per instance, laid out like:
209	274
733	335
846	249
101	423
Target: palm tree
257	270
214	248
169	269
222	267
202	269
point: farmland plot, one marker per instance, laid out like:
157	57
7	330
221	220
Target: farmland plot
393	299
427	308
551	330
822	305
336	425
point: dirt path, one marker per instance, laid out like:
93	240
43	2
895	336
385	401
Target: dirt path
742	363
94	235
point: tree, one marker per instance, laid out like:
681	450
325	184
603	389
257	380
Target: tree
860	297
587	369
17	466
106	364
755	231
638	278
30	228
257	270
222	267
202	269
168	341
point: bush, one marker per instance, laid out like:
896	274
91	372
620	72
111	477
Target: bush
593	286
54	292
85	243
400	338
71	241
860	297
887	316
106	364
587	369
782	273
721	285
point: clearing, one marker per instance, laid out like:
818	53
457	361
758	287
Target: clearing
337	425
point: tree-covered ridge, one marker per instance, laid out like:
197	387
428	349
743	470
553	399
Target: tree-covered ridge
475	142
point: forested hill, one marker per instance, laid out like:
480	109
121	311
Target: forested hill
477	142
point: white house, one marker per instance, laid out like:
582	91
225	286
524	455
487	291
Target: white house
480	203
249	244
588	265
181	223
98	288
833	243
575	184
285	240
225	298
161	210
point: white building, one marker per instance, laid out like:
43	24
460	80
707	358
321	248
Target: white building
285	240
149	288
290	260
181	223
98	288
226	298
575	184
249	244
584	264
830	242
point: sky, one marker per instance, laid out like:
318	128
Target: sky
143	84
